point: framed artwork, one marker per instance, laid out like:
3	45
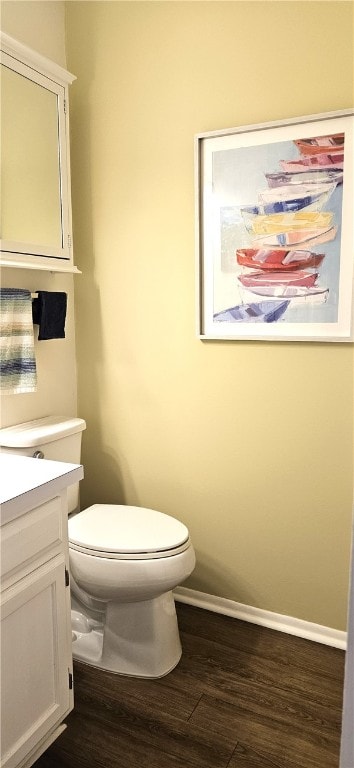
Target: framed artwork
274	230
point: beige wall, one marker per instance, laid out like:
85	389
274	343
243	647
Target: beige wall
250	444
41	26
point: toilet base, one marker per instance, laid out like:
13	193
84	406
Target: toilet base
135	639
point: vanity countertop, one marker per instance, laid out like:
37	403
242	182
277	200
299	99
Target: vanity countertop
26	482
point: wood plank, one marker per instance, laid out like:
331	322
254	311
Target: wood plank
282	708
256	640
220	670
161	695
87	743
164	732
287	747
245	757
242	697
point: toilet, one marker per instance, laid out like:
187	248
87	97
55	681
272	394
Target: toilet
124	563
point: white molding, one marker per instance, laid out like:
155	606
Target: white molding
46	265
288	624
35	60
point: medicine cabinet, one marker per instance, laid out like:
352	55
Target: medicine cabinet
35	161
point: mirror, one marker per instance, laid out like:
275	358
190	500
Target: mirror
30	170
35	175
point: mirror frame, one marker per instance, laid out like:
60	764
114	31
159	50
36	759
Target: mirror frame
37	68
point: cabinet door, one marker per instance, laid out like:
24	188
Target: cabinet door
36	197
35	693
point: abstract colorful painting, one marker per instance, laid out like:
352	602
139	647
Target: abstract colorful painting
275	230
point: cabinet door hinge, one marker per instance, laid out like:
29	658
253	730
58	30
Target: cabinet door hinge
69	241
65	107
70	680
67	577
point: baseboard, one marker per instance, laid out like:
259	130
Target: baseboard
306	629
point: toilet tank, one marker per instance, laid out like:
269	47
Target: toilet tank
51	437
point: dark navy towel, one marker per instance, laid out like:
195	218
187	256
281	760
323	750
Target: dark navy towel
49	312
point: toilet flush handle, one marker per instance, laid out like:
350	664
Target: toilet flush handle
38	455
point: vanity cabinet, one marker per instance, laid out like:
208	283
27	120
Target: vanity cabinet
36	227
36	657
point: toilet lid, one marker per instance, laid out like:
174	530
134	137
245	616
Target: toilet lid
121	529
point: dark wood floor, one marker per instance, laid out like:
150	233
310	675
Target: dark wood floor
241	697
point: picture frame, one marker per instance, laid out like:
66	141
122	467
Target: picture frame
274	230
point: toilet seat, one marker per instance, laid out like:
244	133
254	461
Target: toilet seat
127	533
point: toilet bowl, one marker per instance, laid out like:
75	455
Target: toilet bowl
124	563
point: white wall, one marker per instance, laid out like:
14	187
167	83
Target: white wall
41	26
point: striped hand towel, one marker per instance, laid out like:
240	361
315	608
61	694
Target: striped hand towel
17	361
